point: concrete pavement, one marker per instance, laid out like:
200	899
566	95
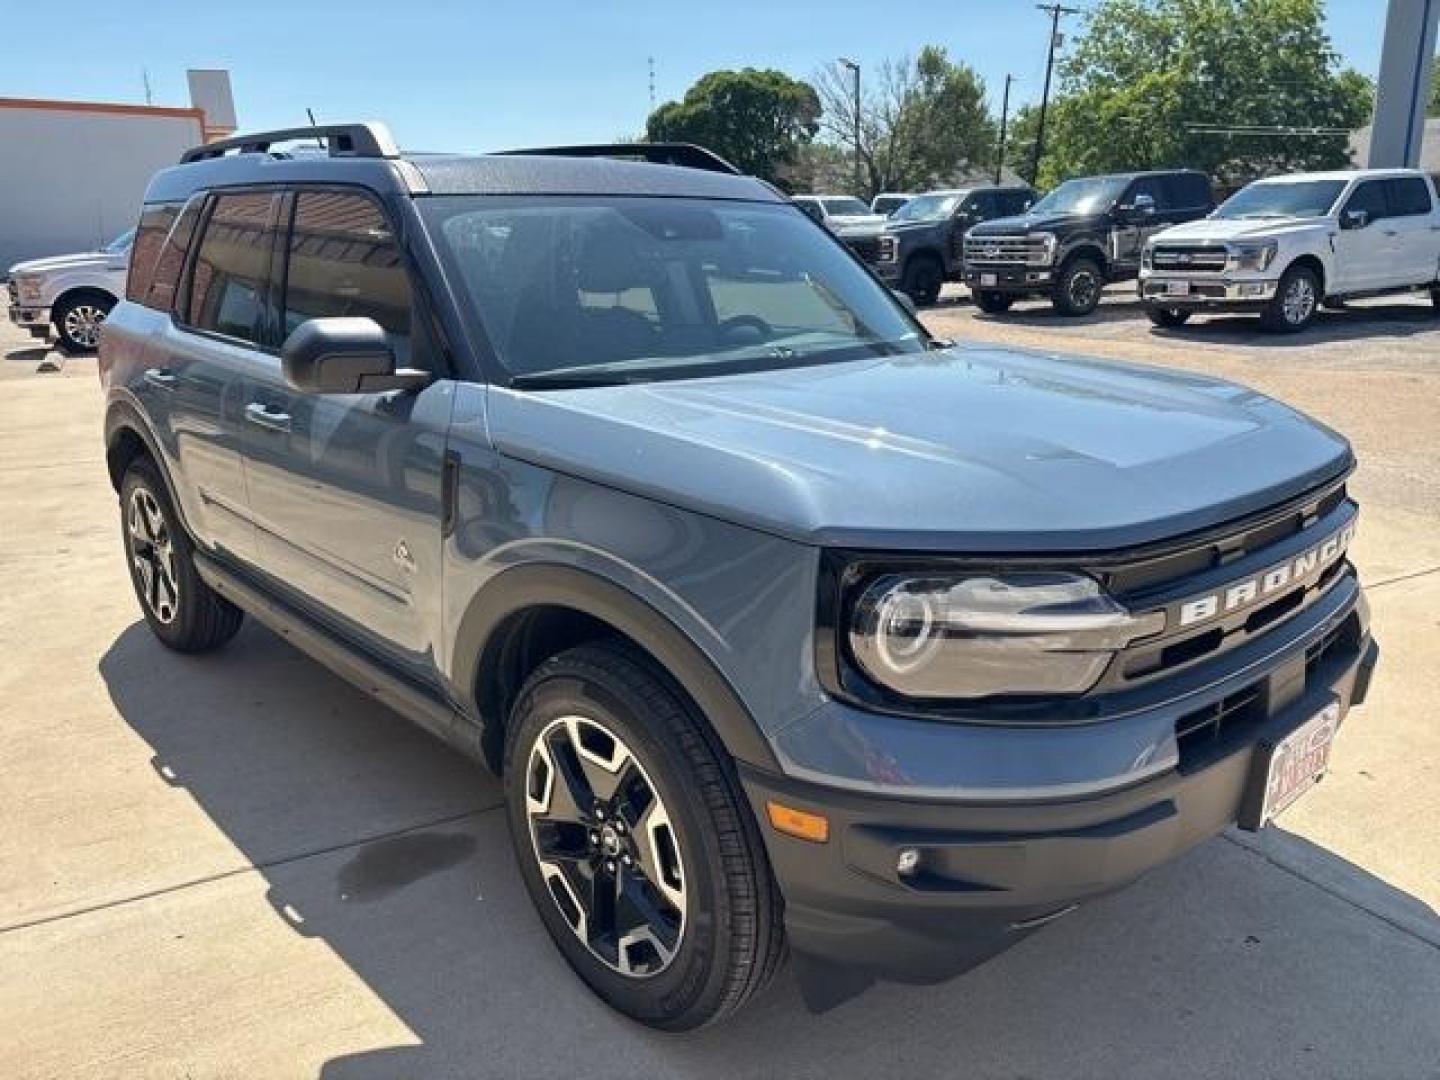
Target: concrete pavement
238	866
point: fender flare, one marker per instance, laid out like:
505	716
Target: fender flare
121	417
551	585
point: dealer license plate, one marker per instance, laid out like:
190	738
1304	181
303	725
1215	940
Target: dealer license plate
987	280
1177	288
1298	761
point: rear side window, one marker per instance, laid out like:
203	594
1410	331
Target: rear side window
1408	195
227	288
165	283
1188	191
155	222
344	261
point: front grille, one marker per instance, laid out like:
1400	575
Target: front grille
999	250
1189	259
14	291
872	249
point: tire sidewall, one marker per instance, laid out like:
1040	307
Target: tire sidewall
691	977
1274	316
177	632
63	309
1064	301
924	278
992	303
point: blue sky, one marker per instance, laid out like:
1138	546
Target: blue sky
477	75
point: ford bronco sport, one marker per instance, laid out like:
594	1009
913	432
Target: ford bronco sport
784	622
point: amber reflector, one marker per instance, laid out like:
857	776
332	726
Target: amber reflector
801	823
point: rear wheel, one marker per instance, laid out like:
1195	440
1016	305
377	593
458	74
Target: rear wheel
1297	299
635	841
1168	317
923	279
77	320
1079	288
993	303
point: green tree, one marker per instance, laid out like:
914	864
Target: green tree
1237	88
757	120
923	122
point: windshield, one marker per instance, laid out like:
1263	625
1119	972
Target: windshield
885	204
575	291
845	207
1086	196
928	208
1283	199
121	243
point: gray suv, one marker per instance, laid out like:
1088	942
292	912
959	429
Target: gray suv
784	622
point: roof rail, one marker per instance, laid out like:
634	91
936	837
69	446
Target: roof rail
368	140
687	155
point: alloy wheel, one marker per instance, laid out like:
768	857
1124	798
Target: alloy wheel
1082	289
152	550
1299	301
82	324
606	846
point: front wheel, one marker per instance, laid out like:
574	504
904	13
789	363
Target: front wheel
77	321
993	303
923	279
635	841
1170	317
1079	288
1296	302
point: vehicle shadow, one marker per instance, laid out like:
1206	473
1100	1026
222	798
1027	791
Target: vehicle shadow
1224	963
1351	323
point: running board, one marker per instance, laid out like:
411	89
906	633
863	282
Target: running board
440	720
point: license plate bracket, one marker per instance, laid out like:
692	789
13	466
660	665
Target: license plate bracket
1177	288
1284	770
987	280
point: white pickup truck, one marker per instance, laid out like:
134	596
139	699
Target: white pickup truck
70	293
1285	246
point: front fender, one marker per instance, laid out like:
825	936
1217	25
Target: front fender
61	282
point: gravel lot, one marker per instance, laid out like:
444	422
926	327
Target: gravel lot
240	867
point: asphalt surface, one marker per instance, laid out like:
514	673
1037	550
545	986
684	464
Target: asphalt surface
237	866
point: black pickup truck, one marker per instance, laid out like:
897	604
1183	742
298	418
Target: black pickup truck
1085	234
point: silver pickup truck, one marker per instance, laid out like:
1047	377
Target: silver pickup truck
71	293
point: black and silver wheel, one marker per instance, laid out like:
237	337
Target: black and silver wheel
78	318
1079	288
992	302
1296	302
1168	317
923	279
635	841
184	612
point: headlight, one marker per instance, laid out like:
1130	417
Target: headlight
1147	257
977	635
1253	256
28	289
1040	248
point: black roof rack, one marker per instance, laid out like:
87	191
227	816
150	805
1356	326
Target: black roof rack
687	155
369	140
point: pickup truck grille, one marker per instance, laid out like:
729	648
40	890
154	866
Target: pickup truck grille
1189	259
14	291
872	249
1000	250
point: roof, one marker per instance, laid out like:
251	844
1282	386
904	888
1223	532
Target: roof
501	174
1344	175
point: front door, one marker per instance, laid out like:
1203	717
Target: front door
346	488
1134	224
1363	254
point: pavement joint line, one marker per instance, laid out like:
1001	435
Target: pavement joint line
1330	890
251	868
1403	577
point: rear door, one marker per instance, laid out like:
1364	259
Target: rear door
1413	229
346	488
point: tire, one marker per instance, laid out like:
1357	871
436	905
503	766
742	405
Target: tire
1296	302
1435	298
1080	287
1170	318
77	319
923	279
993	303
181	610
676	832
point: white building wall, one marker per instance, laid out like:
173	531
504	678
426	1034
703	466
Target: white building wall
72	180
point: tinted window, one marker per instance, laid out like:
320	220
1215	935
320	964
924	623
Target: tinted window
1188	190
1370	197
1154	186
155	222
1015	202
232	265
1408	195
164	287
343	261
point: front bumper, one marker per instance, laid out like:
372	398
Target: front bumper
32	318
1008	278
991	870
1225	292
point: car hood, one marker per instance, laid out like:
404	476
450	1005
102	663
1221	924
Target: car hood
963	449
1237	228
901	228
1025	223
97	259
851	221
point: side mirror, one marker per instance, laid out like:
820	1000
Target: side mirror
1143	206
1354	219
344	356
905	300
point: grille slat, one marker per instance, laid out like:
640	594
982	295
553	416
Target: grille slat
1190	258
999	250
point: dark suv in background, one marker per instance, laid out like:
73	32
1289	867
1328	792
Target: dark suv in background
782	621
1083	235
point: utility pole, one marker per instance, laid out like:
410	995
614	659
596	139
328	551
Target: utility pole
145	78
855	71
1055	10
1004	118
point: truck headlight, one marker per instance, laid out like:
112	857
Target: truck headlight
1040	248
29	289
1253	256
974	635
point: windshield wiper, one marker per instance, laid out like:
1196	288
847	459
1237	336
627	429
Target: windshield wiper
571	380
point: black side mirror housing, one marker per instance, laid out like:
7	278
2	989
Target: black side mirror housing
344	356
1354	219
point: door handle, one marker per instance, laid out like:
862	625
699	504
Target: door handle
163	378
261	415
